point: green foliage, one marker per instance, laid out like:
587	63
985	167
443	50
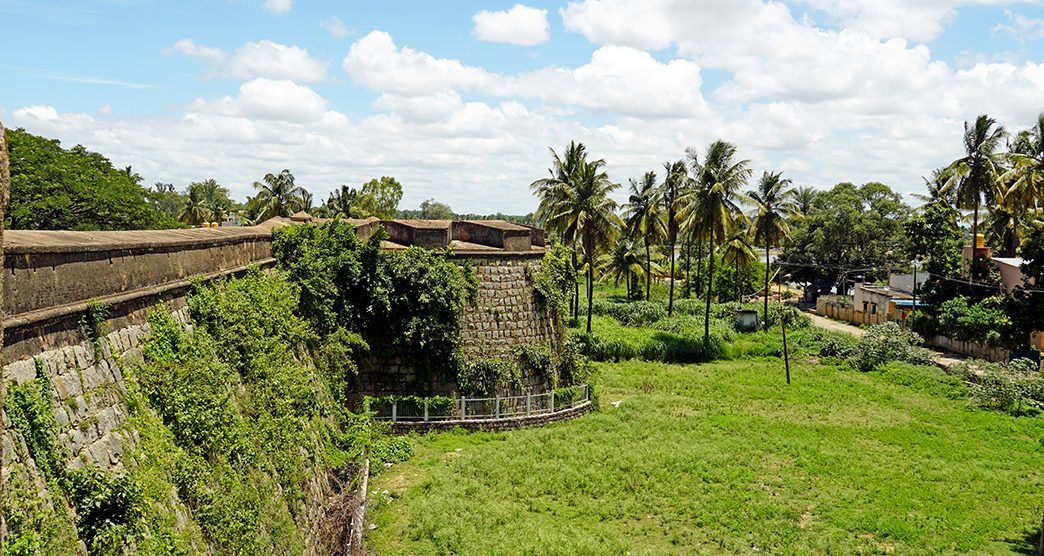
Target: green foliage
849	226
633	313
431	209
381	197
405	304
935	238
536	360
1016	388
553	282
884	343
985	322
611	341
486	377
28	406
108	508
73	189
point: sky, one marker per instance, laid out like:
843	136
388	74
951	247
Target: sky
461	100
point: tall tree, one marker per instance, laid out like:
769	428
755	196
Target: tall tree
194	210
977	171
1026	176
644	221
719	179
670	193
773	206
434	210
277	195
555	190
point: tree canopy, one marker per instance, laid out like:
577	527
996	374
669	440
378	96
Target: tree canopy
53	188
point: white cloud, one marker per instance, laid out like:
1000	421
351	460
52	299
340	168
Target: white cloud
188	47
105	110
267	99
278	6
257	59
521	25
851	102
335	27
1020	27
617	79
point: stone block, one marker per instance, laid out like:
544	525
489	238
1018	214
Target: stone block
21	371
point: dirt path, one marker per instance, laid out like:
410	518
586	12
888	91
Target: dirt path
942	359
836	326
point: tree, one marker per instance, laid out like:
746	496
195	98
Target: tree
624	262
195	210
555	190
1026	176
164	198
739	248
383	196
976	173
277	195
348	202
773	205
434	210
713	202
850	229
74	189
670	194
804	196
644	221
595	214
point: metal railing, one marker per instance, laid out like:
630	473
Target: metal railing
469	409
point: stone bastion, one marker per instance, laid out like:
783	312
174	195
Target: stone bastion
52	278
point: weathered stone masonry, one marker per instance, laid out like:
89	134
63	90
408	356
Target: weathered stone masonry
50	278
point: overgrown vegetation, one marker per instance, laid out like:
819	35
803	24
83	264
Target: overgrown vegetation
403	304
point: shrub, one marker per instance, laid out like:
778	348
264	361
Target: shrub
887	342
1016	388
984	322
610	341
485	377
632	313
107	507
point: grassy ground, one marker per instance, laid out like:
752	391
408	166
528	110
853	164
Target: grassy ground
725	458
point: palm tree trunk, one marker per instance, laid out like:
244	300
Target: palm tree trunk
739	297
699	267
710	286
574	305
688	266
975	226
590	293
648	268
765	315
670	296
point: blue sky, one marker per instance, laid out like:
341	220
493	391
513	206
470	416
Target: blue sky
462	107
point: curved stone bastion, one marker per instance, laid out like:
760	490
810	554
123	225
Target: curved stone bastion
53	279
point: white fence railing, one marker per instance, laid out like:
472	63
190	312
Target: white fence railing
468	409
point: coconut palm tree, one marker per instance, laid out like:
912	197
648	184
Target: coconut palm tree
773	205
1026	176
975	174
277	195
940	188
713	201
196	209
804	195
643	219
739	247
623	262
670	192
556	190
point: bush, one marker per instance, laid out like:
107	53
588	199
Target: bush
610	341
1016	388
633	313
985	322
887	342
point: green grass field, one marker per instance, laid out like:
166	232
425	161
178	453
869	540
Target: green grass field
725	458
